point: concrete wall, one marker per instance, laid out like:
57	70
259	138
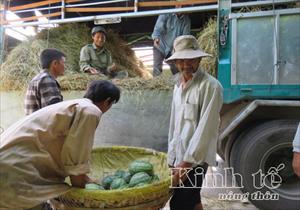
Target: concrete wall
141	118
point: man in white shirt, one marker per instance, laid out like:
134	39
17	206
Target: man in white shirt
296	156
38	152
194	123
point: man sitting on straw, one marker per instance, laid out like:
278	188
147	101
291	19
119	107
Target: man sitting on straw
195	118
96	59
43	89
38	152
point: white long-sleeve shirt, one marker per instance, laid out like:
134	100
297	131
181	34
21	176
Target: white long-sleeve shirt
195	120
296	142
39	151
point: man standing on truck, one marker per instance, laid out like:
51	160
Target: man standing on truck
194	123
167	28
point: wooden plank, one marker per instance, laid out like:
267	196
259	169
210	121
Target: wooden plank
33	17
174	3
99	9
38	4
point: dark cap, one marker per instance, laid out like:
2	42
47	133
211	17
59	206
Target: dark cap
98	29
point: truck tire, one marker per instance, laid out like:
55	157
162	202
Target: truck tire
254	153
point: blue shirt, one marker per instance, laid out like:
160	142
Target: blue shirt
167	28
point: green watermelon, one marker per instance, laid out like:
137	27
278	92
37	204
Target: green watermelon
119	173
141	166
106	181
117	183
140	177
127	176
93	186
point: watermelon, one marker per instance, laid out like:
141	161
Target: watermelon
141	166
127	176
93	186
106	181
140	177
117	183
119	173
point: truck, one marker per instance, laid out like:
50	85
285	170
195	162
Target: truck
259	69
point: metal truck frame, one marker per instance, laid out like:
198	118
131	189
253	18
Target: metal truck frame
259	68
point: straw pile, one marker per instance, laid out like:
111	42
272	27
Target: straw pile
207	39
124	56
22	63
68	38
164	82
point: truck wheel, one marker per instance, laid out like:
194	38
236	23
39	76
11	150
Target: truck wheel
263	158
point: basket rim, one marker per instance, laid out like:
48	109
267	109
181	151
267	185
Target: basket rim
160	184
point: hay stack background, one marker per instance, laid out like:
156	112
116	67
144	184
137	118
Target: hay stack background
22	63
124	56
68	38
207	39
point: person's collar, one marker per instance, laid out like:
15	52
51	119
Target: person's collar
90	101
196	75
94	46
97	48
48	72
180	16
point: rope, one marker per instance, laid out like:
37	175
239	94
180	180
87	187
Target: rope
5	44
48	30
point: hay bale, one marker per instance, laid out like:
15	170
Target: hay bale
79	81
157	83
21	64
207	39
76	81
124	56
68	38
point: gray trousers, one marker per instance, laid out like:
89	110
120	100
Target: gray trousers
158	59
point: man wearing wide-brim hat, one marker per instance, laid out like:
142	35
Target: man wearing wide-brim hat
194	123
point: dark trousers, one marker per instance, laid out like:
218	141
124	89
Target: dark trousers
188	198
158	59
43	206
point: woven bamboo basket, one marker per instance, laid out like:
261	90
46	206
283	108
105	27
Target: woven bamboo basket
106	161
